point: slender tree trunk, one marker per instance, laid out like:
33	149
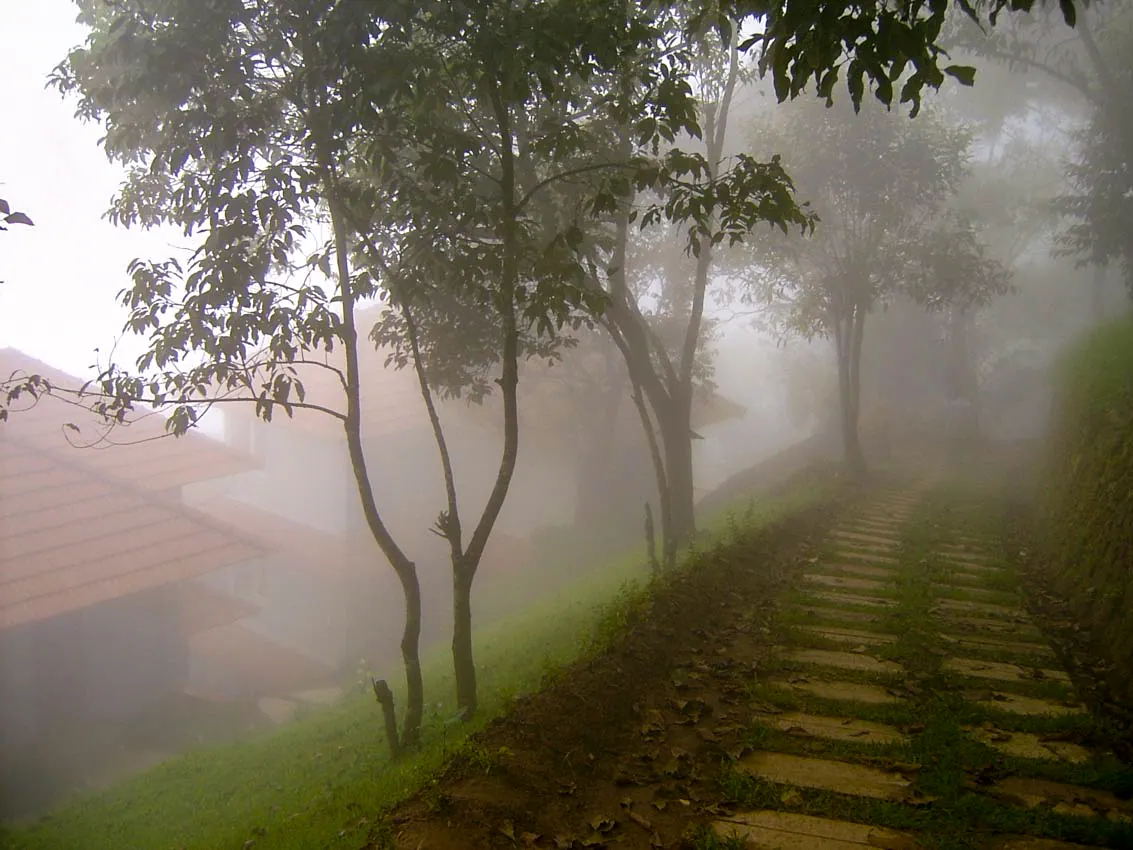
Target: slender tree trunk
677	433
464	568
668	541
464	665
404	568
848	332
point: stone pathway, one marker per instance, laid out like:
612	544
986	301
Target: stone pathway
914	703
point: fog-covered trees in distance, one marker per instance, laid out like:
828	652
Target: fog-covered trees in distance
953	275
1088	74
1099	203
878	182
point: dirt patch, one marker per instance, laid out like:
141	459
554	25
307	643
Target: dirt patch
626	745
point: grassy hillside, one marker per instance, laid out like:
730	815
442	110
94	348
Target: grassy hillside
1088	486
320	781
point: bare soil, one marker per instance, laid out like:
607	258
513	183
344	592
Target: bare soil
617	748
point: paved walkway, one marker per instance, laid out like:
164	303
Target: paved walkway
914	703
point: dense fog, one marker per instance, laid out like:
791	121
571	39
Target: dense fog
158	593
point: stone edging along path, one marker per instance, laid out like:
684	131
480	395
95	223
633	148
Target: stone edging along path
913	702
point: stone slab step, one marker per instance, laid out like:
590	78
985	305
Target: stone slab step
845	691
826	775
842	660
839	728
871	538
852	636
986	625
849	568
979	594
863	556
984	609
1001	671
1063	799
854	599
968	561
1029	746
1038	844
768	830
1020	647
885	527
842	614
848	582
1017	704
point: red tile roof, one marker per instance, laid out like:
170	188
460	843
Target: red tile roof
131	454
83	526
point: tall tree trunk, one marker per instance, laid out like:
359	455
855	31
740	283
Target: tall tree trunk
464	665
465	566
676	431
404	568
848	332
668	544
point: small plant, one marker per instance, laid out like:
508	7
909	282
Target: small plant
735	532
478	757
706	838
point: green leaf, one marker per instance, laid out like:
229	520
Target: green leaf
966	74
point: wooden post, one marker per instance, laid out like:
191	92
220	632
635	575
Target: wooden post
384	696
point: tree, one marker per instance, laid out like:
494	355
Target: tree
454	155
661	354
1090	70
891	48
233	124
876	182
1099	203
952	274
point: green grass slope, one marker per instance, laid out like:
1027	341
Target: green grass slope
1088	486
323	780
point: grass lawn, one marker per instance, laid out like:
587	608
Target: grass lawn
323	781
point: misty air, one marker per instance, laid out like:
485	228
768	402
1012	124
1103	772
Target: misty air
566	424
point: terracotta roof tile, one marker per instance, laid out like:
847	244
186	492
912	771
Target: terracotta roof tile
156	464
15	611
79	527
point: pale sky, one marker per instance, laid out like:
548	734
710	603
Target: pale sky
61	278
